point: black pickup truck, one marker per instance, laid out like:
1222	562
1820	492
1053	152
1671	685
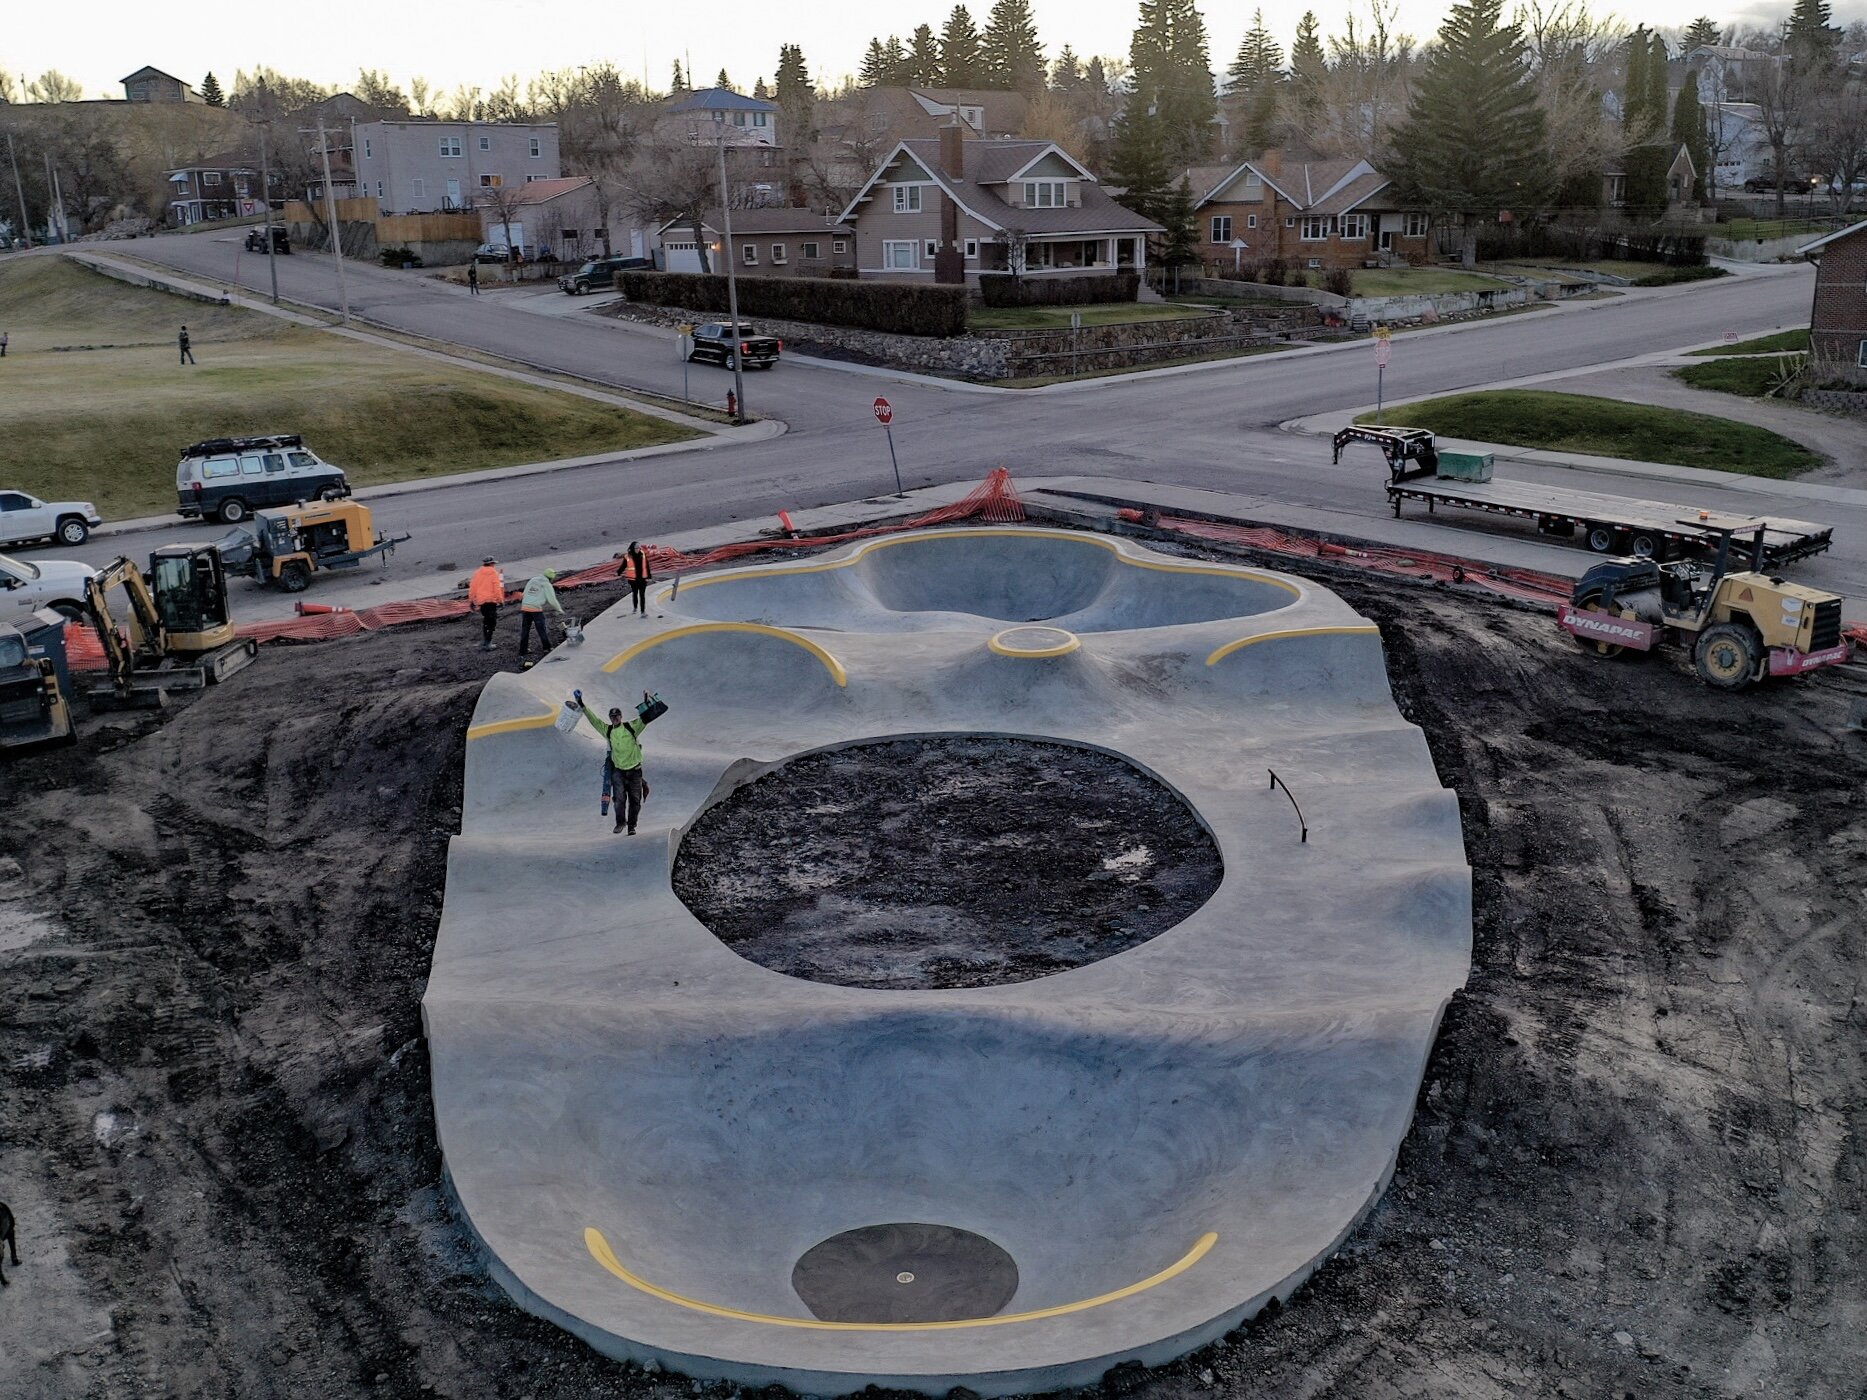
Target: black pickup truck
720	342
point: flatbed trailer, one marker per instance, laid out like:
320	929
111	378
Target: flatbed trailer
1606	524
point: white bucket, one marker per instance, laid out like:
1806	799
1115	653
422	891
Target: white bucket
569	717
573	632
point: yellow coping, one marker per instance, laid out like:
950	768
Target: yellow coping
511	726
604	1255
1244	642
830	663
1063	648
1098	541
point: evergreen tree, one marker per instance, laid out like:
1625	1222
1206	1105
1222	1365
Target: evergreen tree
1688	130
1472	144
1170	71
760	91
1137	162
1809	36
1260	58
899	64
1643	123
793	83
211	93
874	71
1178	247
1703	32
723	81
1010	51
962	63
1066	74
1252	89
1096	77
1309	70
679	84
924	57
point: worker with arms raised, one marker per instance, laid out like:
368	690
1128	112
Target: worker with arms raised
625	754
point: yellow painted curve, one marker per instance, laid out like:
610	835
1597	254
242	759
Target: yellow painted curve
511	726
604	1255
1244	642
1063	648
830	663
1099	542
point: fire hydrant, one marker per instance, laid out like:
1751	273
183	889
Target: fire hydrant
732	404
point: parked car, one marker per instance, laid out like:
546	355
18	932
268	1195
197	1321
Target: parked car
49	583
230	478
723	344
256	239
493	253
24	519
599	273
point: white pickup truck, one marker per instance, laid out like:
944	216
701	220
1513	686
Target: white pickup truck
25	518
51	583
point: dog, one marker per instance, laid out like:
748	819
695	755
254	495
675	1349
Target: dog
7	1239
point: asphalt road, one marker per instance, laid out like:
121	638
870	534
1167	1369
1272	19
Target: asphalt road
1211	426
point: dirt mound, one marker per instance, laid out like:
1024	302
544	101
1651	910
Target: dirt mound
1637	1166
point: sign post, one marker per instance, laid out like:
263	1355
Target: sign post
1383	352
885	415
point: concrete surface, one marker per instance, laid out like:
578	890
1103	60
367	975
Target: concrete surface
648	1133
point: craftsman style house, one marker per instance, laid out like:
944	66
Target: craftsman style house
1331	213
990	206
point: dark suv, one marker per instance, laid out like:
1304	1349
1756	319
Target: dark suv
601	272
256	239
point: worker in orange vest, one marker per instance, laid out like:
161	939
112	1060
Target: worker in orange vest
634	568
486	590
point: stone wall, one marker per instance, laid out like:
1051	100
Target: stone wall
1841	400
1758	250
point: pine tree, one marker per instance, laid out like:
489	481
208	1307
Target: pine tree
899	64
1178	246
1809	36
679	84
1013	57
1472	144
1309	70
924	57
874	65
1252	88
796	97
760	91
1137	163
1643	123
1688	130
1096	77
961	59
723	81
1066	74
1703	32
211	93
1170	71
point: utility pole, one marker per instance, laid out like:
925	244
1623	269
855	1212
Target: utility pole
58	196
732	278
19	193
330	214
265	204
51	216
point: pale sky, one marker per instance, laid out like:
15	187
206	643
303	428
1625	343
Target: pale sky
479	41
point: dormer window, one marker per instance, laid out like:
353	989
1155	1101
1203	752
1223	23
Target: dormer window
1046	194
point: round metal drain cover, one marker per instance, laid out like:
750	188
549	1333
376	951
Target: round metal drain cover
905	1273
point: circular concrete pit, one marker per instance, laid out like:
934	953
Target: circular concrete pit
651	1134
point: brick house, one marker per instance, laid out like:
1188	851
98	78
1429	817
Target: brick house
951	208
222	186
766	243
153	85
1838	323
1331	213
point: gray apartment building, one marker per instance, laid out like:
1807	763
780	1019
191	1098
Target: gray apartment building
418	167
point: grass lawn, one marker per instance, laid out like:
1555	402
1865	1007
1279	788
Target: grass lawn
1033	318
1608	428
1644	274
1763	344
1419	281
1752	377
95	406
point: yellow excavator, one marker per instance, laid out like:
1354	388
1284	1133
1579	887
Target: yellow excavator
180	632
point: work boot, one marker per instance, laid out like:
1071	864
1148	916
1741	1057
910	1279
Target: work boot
631	831
615	829
486	646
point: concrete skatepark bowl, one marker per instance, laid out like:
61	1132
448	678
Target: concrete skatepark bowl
680	1155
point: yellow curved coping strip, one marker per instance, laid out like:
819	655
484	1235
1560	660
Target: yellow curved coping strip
511	726
830	663
1097	540
1035	653
604	1255
1244	642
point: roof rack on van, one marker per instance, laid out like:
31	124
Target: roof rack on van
242	444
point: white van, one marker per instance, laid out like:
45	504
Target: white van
230	478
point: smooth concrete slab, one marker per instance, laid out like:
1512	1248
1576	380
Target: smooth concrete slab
650	1133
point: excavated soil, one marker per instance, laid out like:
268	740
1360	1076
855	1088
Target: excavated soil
1636	1167
940	862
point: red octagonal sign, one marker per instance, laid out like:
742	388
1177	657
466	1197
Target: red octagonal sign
884	414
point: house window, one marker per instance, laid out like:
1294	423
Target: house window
366	149
1315	227
486	143
491	182
907	199
974	117
878	123
812	251
450	145
777	252
1251	221
898	254
1416	226
839	245
749	255
418	188
972	249
379	189
1289	222
1221	229
1044	194
758	118
739	118
1354	226
210	179
1861	356
933	249
537	150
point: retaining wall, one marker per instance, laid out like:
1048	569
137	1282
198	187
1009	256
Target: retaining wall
1843	400
1757	250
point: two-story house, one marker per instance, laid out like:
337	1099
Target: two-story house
225	186
153	85
765	243
994	206
419	167
1312	214
706	115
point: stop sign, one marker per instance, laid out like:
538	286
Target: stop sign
1383	352
884	414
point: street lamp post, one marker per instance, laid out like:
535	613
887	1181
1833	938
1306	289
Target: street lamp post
732	279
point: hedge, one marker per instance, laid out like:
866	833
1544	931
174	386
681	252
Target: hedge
1091	289
899	308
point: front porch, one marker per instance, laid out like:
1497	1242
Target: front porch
1061	255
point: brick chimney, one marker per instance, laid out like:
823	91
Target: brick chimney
953	149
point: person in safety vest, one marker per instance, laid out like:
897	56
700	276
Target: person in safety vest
486	590
634	568
539	595
625	760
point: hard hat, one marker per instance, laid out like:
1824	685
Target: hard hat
551	573
489	560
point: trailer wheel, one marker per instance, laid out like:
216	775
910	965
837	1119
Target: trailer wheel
1644	546
294	577
1600	539
1726	655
